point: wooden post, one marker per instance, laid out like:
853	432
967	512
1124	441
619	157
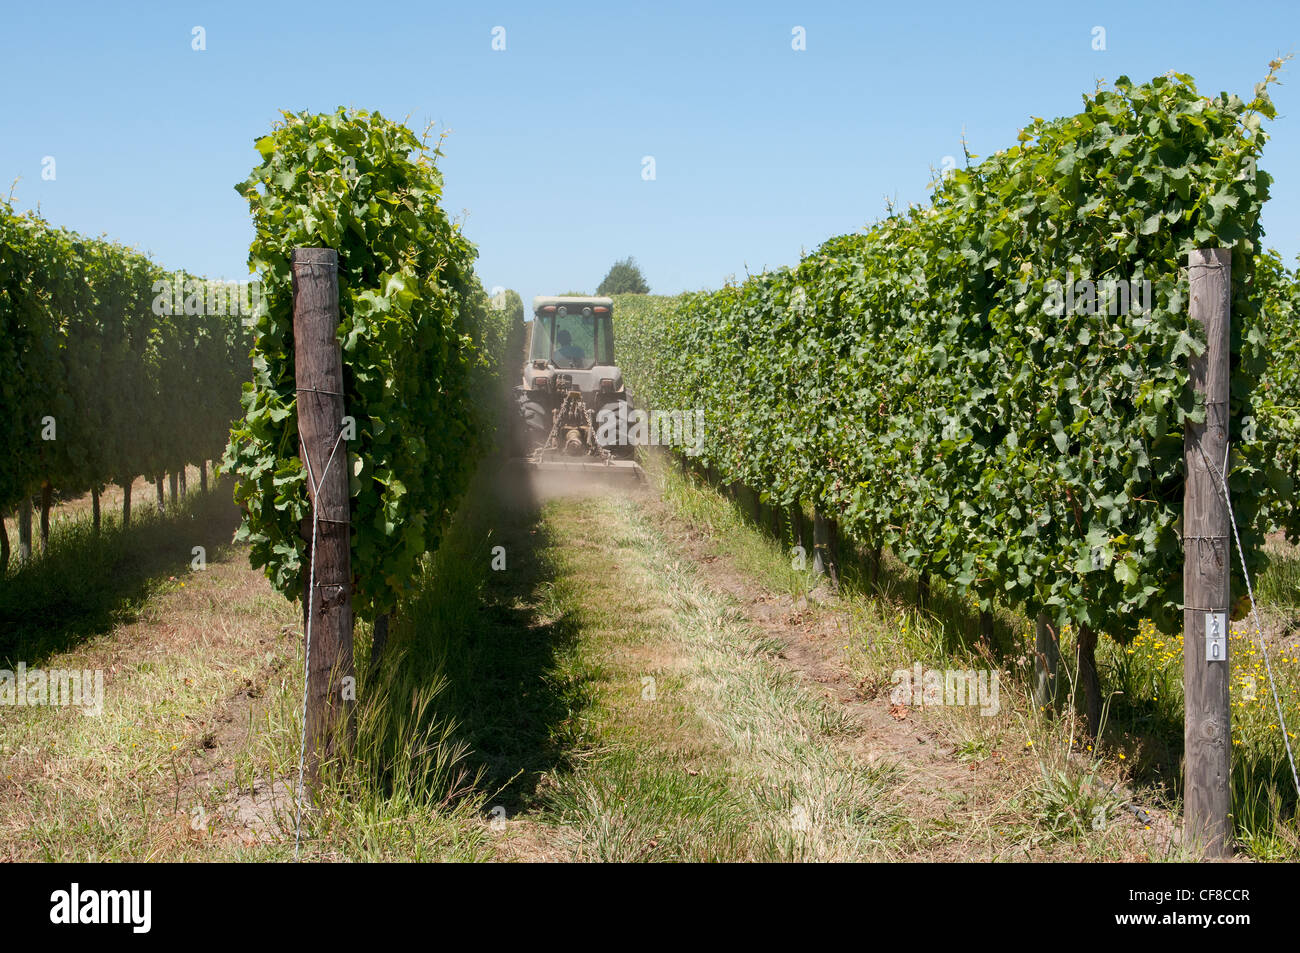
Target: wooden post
986	628
94	509
25	528
1207	726
1089	683
203	476
47	500
798	525
162	498
824	549
126	504
776	519
318	364
1047	661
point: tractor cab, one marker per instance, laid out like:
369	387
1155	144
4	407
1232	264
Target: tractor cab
571	347
573	333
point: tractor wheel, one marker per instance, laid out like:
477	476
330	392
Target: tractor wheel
536	424
621	451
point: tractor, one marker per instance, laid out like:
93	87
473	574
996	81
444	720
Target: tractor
572	395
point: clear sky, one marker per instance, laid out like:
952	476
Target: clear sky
760	150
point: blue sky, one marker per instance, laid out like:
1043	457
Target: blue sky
760	151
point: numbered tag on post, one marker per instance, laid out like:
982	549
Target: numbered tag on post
1216	636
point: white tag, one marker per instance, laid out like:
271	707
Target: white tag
1216	636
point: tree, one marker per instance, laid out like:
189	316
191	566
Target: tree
624	278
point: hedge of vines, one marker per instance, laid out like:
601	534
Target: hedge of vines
126	379
421	348
1279	399
927	384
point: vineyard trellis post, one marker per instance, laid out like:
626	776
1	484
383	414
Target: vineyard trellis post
25	528
825	549
1207	725
327	578
1047	660
799	526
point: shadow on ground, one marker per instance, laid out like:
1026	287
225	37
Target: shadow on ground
86	583
481	628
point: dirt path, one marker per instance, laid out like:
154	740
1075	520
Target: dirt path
936	789
690	740
970	788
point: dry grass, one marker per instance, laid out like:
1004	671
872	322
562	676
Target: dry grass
118	785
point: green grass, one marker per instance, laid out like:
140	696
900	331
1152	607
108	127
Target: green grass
732	758
1279	584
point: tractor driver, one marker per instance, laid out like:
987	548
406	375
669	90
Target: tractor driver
567	350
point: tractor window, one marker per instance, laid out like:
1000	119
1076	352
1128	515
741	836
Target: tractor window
575	340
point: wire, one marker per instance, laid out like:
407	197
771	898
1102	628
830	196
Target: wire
1254	611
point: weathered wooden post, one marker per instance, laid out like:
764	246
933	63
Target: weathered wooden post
799	526
47	500
776	522
825	551
327	582
1047	661
1089	682
1207	723
25	528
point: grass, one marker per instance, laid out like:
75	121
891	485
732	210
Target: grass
194	755
117	786
88	583
698	744
1049	796
601	697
